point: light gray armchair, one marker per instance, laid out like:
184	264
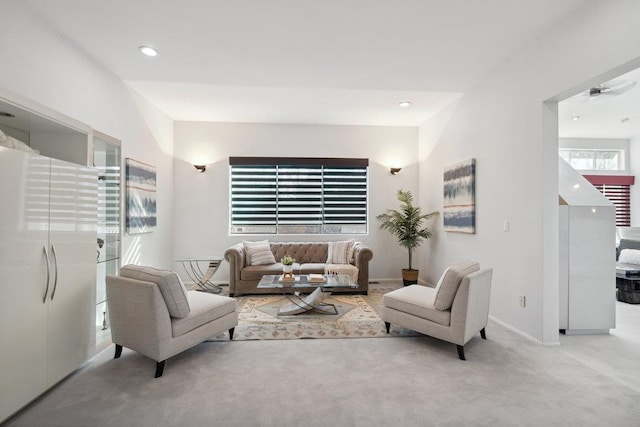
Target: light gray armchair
152	313
454	311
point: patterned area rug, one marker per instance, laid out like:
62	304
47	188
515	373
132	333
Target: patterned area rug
358	317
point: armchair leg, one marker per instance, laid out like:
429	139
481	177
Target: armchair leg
460	352
483	334
118	351
231	333
159	369
387	325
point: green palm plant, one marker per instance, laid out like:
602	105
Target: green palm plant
406	224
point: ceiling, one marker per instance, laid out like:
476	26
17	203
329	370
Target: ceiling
303	61
603	116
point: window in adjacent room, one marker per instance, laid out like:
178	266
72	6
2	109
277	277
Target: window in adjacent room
282	195
593	160
616	188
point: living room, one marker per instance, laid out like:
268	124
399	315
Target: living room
506	119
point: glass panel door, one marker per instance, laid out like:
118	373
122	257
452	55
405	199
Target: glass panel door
106	158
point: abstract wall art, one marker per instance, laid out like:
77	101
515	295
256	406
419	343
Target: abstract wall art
141	197
460	197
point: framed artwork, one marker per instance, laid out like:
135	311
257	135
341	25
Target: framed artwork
460	197
140	185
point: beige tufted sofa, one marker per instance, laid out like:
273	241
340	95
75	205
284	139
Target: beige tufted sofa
310	258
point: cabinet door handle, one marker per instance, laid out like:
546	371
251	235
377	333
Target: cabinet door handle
55	276
46	258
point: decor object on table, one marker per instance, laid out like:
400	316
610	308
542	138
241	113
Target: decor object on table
406	225
140	184
287	267
459	210
310	258
165	319
454	311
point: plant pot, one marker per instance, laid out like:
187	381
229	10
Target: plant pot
287	268
409	276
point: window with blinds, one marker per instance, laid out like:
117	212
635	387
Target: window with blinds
616	188
298	195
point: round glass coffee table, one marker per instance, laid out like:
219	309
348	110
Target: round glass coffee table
304	295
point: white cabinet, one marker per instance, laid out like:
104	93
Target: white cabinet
47	273
587	256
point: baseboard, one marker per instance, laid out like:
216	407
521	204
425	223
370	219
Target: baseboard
524	335
385	281
398	280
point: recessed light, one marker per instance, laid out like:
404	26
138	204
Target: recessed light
404	104
575	118
625	120
149	51
576	186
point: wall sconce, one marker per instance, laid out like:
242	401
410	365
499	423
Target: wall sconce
200	168
395	171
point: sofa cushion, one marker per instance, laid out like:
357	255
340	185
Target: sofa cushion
340	252
205	308
258	253
629	256
171	287
627	244
417	300
255	272
447	287
312	267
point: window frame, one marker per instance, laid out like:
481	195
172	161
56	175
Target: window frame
276	177
593	151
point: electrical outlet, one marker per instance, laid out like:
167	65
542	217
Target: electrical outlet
523	301
505	225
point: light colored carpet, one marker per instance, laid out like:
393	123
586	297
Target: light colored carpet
358	317
506	380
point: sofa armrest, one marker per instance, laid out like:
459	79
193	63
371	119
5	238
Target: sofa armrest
470	309
139	316
235	257
362	255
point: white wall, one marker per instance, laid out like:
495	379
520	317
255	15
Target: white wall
202	199
634	169
600	144
39	64
506	125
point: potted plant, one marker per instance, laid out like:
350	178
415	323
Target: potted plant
406	225
287	266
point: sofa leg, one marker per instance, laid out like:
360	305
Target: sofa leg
231	333
159	369
387	325
483	334
460	352
118	351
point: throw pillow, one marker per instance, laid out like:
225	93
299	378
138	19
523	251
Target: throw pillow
171	287
258	253
340	252
439	284
629	256
450	281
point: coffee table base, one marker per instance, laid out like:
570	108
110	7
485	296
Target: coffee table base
311	302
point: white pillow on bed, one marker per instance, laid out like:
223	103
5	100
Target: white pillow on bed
629	256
